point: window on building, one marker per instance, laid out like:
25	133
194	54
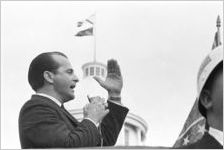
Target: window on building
102	72
91	71
126	137
97	71
87	71
142	136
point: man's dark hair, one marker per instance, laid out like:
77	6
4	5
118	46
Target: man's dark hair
208	86
41	63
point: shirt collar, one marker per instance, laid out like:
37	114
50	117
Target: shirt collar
217	134
51	98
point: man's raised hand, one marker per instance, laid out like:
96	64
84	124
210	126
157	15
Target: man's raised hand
114	82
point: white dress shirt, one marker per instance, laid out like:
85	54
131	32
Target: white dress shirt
217	134
51	98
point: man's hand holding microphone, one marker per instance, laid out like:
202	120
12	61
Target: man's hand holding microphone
96	110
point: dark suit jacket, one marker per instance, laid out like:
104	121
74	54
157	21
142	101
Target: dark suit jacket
43	124
206	142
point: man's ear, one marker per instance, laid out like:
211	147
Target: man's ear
48	76
206	99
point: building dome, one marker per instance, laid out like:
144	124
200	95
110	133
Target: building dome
133	132
94	69
135	129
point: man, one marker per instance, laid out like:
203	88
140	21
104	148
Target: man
44	122
210	103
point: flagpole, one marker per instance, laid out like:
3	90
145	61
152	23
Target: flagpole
94	34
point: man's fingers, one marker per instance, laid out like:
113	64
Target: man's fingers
118	71
106	112
111	66
96	99
85	109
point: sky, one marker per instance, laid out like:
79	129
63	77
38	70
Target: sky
158	45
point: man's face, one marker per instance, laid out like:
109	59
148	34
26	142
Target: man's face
217	96
64	80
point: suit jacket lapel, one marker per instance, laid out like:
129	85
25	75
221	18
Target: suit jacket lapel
210	139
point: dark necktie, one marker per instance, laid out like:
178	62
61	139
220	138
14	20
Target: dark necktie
62	106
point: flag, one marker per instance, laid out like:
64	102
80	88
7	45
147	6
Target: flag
86	32
79	24
89	20
195	125
87	26
193	129
217	40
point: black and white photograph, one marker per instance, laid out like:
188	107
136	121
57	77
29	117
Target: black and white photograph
112	74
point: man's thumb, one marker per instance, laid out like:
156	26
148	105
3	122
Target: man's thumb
100	81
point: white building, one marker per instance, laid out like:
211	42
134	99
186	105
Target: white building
135	128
